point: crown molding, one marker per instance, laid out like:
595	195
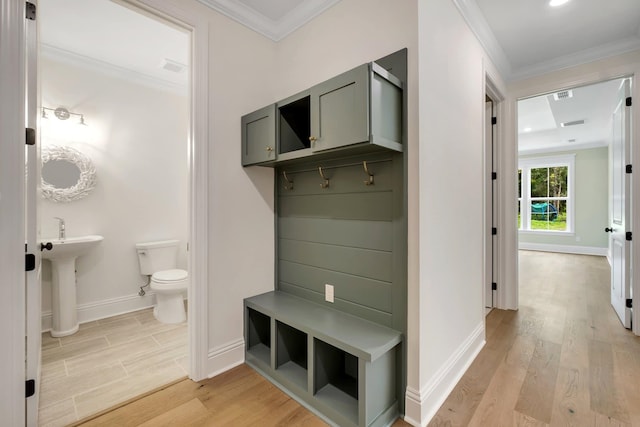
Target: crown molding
582	57
83	61
563	147
275	30
478	24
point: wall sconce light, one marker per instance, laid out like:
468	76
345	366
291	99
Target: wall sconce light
62	113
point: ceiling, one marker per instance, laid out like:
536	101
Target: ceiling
522	37
103	34
540	118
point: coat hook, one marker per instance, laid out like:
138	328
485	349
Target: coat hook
369	174
288	183
325	184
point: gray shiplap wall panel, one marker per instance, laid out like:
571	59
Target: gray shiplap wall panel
359	262
354	309
354	206
348	235
349	179
371	293
376	235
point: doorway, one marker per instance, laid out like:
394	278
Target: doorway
134	127
565	179
491	253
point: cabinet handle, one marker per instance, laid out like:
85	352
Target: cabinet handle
268	148
313	139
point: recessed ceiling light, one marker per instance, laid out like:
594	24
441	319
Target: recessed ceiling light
556	3
527	130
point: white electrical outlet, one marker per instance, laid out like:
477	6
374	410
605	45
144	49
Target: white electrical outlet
577	238
328	293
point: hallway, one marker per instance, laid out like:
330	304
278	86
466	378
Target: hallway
563	359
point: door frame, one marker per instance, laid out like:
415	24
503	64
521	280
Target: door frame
12	212
174	12
494	262
578	76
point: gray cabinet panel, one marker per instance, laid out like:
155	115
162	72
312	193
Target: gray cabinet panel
361	311
358	262
365	206
259	136
340	110
376	235
375	294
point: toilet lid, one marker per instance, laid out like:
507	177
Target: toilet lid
170	275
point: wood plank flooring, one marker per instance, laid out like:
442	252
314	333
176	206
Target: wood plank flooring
563	359
107	362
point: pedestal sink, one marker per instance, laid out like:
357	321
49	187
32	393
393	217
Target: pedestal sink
63	256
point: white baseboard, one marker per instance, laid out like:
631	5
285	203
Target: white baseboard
565	249
225	357
422	405
107	308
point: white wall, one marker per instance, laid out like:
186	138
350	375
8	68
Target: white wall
240	211
137	139
446	314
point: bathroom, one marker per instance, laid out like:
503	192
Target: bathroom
131	122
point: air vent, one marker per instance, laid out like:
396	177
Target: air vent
565	94
571	140
173	66
573	123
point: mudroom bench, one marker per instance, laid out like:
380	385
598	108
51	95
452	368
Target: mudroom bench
341	366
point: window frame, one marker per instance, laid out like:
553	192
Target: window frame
525	165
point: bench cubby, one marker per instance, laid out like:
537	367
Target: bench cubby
258	336
340	366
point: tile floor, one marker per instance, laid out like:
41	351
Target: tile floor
107	362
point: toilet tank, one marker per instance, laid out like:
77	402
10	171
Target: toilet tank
157	256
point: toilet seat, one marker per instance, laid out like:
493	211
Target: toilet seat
169	276
170	280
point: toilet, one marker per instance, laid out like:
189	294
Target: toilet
159	260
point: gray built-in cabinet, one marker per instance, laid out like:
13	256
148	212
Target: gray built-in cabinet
360	109
340	219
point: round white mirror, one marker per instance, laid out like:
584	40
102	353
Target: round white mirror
67	174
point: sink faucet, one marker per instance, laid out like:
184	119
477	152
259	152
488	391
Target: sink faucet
61	228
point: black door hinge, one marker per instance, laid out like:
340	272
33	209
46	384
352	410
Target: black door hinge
494	120
30	388
494	175
494	286
628	235
494	231
30	137
629	169
628	102
629	303
30	11
29	262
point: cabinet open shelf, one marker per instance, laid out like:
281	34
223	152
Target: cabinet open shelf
259	336
291	354
294	125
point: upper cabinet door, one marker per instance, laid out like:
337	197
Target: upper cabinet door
340	110
259	136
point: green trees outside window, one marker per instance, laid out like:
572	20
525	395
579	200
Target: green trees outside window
543	193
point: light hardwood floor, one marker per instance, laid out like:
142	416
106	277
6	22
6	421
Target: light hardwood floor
107	362
563	359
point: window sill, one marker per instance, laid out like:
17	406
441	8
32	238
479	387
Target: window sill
548	232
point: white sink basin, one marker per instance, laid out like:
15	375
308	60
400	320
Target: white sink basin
71	247
63	254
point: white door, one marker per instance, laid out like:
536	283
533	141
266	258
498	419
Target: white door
620	206
12	212
33	286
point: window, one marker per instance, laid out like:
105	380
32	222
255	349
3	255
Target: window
545	194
